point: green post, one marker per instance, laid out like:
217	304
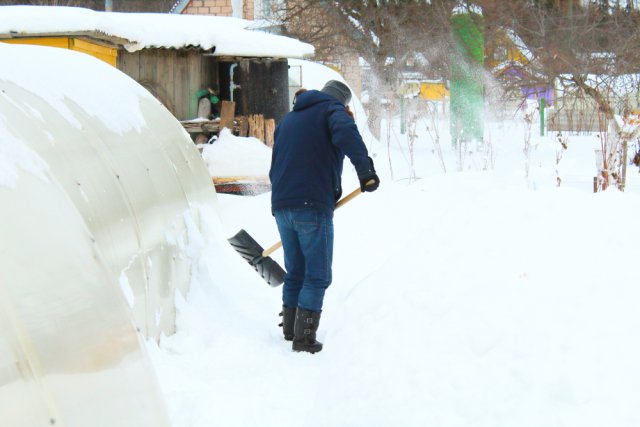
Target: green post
467	87
542	105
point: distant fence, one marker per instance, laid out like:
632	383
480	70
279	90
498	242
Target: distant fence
572	120
576	112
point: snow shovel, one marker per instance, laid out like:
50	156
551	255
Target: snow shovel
259	258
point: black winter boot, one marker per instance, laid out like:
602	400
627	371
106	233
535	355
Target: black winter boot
305	328
288	320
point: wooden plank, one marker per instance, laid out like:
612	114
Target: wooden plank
210	126
150	70
147	68
256	126
153	69
227	113
210	70
165	58
243	126
181	85
129	63
196	127
269	129
196	69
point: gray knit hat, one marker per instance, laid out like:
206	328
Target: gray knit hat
338	90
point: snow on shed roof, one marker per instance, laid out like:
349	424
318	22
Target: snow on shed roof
229	36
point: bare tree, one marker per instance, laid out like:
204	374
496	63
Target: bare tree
587	50
592	47
385	33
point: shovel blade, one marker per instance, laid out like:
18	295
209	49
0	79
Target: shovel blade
251	251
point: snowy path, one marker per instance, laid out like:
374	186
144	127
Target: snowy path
458	300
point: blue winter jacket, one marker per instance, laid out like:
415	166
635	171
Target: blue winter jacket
308	152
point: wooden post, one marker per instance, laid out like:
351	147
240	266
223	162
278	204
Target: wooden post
227	112
243	125
252	125
256	126
625	144
269	129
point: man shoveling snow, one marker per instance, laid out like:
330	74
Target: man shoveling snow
306	168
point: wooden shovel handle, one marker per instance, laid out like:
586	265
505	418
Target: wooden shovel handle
272	249
341	202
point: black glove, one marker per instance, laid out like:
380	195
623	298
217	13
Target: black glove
369	181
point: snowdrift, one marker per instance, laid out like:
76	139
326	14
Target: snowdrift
99	187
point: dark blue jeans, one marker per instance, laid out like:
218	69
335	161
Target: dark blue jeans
307	240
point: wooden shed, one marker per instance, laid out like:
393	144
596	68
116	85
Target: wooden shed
177	77
179	58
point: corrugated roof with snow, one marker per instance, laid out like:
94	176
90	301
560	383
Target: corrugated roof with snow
228	36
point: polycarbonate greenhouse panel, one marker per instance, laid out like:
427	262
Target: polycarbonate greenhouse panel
97	181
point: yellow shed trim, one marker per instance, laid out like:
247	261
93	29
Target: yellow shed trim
104	53
433	91
62	42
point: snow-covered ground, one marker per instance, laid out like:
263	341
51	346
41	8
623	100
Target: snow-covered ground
460	298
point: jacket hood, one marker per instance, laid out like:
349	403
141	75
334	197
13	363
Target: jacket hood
312	97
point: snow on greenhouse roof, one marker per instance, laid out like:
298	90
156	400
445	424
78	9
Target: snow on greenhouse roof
229	36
